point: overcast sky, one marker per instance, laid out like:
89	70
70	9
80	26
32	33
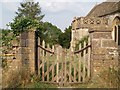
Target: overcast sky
58	12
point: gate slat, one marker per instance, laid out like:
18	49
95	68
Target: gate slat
57	69
57	77
67	73
65	66
88	58
50	68
70	54
74	65
53	66
79	71
47	57
39	57
74	68
43	54
84	63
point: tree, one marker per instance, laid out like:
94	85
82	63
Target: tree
23	24
28	16
50	33
65	38
30	10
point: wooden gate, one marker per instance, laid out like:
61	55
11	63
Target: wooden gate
61	66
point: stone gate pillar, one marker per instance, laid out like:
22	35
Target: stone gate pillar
27	50
31	48
104	50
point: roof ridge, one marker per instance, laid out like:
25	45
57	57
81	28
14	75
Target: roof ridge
104	8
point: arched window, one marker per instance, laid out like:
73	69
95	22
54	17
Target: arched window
116	30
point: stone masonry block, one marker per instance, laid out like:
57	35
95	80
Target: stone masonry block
100	51
24	35
102	57
110	63
105	35
23	43
23	50
97	63
96	43
108	43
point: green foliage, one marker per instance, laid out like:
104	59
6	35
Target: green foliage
4	63
40	85
23	24
49	33
7	37
6	41
28	16
30	10
84	39
65	38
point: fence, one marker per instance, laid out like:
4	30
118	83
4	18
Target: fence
61	66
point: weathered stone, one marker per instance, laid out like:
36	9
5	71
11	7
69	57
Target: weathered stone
105	35
23	50
31	45
99	51
108	43
99	56
24	35
97	63
23	43
103	52
26	42
96	43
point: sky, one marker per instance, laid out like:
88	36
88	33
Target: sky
57	12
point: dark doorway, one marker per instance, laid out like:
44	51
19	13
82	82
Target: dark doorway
119	35
115	34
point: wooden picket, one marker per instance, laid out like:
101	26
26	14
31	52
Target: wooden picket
61	66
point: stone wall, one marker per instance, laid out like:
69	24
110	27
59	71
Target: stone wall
22	62
24	52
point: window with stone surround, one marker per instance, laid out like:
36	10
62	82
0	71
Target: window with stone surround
117	34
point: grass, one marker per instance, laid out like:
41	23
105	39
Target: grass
39	85
99	81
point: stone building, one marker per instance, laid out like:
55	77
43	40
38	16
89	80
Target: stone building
102	25
104	15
